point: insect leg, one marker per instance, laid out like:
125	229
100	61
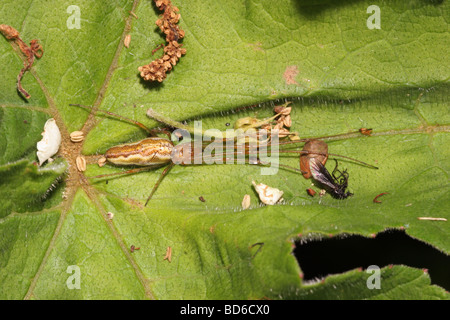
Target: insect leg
166	170
330	154
114	115
122	172
336	169
163	131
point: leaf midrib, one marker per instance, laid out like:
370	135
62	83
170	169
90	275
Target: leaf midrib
68	150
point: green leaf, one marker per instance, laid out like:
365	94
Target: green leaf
406	283
340	75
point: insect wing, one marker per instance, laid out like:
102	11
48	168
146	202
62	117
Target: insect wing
320	173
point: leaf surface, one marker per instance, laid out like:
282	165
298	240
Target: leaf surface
340	76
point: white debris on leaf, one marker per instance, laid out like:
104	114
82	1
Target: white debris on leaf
268	195
51	140
246	202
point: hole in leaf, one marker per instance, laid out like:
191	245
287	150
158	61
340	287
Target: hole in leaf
319	258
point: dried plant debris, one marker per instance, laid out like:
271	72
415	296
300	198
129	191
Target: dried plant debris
246	202
268	195
168	255
157	69
34	50
311	192
365	131
127	40
101	161
281	122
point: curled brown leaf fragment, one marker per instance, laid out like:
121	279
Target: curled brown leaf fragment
157	69
34	50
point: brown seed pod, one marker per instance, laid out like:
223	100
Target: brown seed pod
77	136
81	163
313	149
